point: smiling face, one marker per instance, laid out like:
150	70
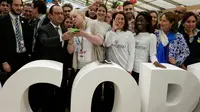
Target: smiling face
190	23
101	13
108	17
27	12
165	24
154	18
129	11
120	21
92	11
141	23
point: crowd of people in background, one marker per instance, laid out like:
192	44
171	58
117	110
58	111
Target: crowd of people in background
77	37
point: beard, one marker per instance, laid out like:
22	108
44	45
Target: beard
14	12
129	15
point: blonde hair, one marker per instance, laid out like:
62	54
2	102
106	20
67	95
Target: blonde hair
76	11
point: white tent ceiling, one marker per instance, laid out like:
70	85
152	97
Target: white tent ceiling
142	5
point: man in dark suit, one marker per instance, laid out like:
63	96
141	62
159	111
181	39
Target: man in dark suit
49	45
39	19
15	39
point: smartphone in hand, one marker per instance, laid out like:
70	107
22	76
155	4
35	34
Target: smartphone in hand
74	30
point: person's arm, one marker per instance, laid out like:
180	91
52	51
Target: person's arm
96	35
184	50
94	39
70	46
46	40
109	38
153	51
3	57
131	50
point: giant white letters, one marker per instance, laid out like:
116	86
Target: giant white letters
162	90
14	94
168	90
195	69
127	93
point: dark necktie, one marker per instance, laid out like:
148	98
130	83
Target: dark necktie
19	37
57	29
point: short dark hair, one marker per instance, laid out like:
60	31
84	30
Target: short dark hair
68	5
3	1
187	15
127	3
148	18
28	4
51	9
171	17
104	6
11	2
41	5
87	15
125	28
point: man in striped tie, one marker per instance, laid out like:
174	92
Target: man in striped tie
15	39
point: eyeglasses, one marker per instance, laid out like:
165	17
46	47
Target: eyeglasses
178	12
58	13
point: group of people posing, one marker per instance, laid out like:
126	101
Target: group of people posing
77	37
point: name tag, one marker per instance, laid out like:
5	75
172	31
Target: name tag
81	56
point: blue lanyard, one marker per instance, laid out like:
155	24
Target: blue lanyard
81	42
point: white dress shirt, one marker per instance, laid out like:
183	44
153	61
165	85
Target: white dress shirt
59	31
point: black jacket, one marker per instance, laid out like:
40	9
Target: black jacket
48	45
8	39
194	47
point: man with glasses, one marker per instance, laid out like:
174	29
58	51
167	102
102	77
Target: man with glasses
4	8
67	8
180	11
50	46
128	9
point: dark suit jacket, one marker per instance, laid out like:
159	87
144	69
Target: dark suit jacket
48	44
8	39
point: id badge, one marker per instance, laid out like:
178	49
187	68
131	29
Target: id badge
81	56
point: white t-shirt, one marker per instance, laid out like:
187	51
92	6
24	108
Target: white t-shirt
121	48
84	48
145	48
105	27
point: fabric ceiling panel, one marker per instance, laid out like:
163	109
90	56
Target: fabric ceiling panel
138	9
148	7
163	4
188	2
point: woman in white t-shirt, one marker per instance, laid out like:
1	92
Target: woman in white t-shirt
145	43
120	43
